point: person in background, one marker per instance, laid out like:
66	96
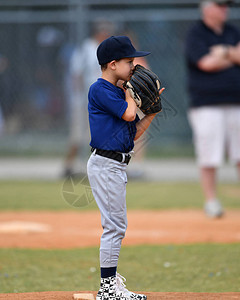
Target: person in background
213	65
84	70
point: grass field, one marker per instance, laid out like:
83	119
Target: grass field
183	268
40	195
192	268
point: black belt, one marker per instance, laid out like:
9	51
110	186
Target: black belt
121	157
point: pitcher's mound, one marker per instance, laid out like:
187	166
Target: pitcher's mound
150	296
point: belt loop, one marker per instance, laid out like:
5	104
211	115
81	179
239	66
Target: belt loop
123	157
94	151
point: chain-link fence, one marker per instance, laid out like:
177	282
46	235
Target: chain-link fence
37	41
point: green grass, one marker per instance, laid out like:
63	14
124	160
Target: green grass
40	195
191	268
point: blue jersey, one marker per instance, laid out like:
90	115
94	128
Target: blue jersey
108	130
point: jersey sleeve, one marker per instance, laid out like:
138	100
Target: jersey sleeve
111	102
237	35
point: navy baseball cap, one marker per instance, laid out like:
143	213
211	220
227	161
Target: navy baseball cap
117	47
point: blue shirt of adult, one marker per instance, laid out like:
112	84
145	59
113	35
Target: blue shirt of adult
211	88
108	130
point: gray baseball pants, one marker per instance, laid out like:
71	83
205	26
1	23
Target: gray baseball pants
108	181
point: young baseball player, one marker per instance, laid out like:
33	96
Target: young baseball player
114	126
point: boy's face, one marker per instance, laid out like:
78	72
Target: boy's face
124	68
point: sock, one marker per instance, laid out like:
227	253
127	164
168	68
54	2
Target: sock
108	272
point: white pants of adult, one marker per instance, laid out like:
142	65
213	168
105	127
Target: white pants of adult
216	131
108	181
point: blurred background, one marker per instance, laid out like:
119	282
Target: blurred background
37	41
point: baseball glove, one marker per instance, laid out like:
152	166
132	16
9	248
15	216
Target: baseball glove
144	87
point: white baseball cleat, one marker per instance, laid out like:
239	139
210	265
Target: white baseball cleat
114	288
213	208
123	291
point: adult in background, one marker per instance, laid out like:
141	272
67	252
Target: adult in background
84	70
213	62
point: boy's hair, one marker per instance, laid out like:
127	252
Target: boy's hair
104	67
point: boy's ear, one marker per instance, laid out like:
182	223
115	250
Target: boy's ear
112	64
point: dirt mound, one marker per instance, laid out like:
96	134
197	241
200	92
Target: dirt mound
151	296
